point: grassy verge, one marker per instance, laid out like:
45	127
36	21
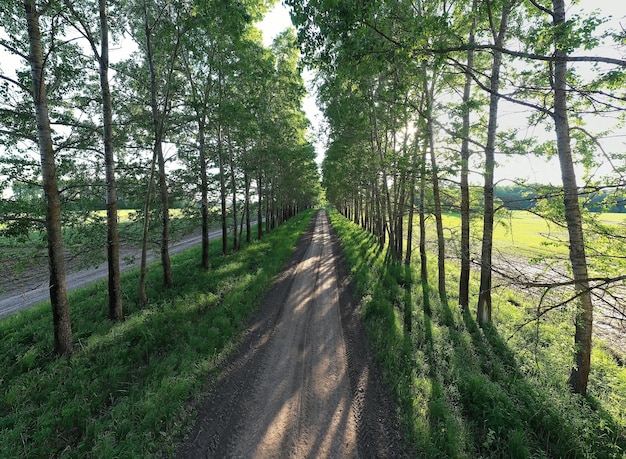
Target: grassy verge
126	390
467	392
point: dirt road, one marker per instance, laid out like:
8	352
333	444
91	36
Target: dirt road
303	383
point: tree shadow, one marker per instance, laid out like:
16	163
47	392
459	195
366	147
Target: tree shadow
480	395
462	389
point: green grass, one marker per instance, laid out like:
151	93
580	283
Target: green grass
517	229
126	390
468	392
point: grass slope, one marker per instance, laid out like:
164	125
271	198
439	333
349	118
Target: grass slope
465	392
126	390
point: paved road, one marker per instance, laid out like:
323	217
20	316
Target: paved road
37	291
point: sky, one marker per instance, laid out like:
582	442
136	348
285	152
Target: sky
532	169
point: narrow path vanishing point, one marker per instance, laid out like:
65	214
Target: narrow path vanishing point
303	383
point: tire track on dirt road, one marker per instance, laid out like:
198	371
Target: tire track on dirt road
302	383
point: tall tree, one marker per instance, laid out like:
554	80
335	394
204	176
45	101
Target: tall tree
423	237
198	61
464	276
81	21
499	34
157	27
159	120
429	82
584	317
221	160
113	243
56	257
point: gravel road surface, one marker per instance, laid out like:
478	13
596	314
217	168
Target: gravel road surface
34	289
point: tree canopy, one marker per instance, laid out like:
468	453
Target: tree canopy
192	111
413	93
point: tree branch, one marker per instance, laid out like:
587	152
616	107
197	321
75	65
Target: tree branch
542	8
499	94
525	55
17	135
16	83
13	50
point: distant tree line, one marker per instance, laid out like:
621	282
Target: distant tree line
522	197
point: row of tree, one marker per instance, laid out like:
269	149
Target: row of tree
197	106
412	90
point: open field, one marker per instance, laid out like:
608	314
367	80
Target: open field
126	215
528	248
520	232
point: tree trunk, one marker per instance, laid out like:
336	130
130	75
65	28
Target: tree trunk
400	216
247	207
116	312
271	203
165	219
259	210
381	157
241	222
382	238
483	314
201	116
441	243
158	123
412	185
220	156
465	156
579	375
409	231
56	256
222	172
143	296
423	253
206	262
268	199
233	185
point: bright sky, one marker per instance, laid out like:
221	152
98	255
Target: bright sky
530	168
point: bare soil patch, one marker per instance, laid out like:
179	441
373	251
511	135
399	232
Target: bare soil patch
609	304
303	382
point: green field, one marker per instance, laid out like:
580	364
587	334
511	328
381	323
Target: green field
522	233
127	215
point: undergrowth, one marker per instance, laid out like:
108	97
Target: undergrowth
125	391
492	392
